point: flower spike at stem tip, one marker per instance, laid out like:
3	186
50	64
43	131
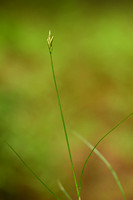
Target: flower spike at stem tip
50	41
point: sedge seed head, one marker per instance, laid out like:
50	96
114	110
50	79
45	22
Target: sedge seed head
50	41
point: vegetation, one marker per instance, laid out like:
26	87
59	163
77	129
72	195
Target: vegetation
93	60
93	149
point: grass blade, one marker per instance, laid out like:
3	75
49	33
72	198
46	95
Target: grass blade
63	190
33	173
105	161
98	144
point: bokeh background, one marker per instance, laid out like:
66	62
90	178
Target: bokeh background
93	60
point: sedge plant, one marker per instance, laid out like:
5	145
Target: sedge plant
78	186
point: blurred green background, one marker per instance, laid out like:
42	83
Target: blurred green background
93	60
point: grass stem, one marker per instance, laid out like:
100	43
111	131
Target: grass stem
64	126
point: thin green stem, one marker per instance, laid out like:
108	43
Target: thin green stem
33	173
97	145
64	126
105	161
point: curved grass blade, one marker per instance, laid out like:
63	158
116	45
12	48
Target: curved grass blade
97	145
105	161
63	190
33	173
50	41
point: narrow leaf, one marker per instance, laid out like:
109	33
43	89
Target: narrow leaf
64	190
104	160
30	170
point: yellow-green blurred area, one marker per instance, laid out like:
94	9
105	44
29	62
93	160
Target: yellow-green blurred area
93	61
